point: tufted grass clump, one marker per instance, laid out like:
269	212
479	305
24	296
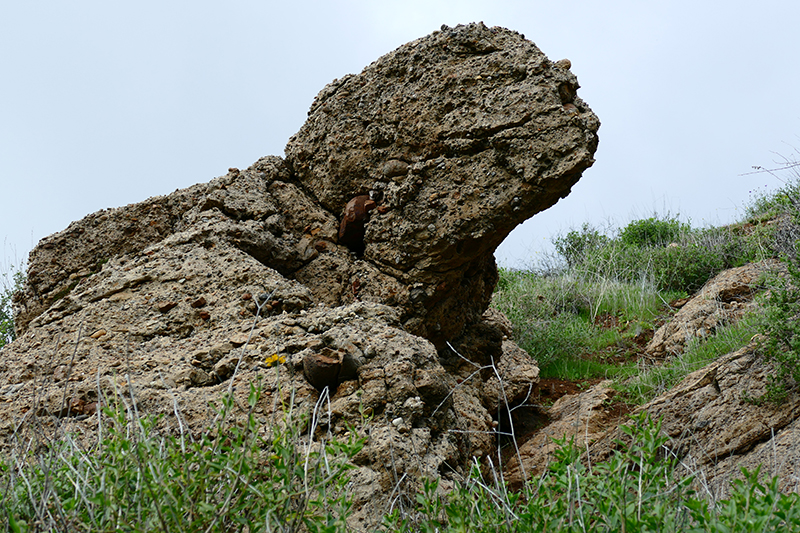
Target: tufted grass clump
638	488
237	476
654	379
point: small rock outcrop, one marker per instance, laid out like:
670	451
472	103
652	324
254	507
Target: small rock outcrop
715	418
722	300
361	265
582	418
716	426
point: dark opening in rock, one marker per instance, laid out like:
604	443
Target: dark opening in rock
352	228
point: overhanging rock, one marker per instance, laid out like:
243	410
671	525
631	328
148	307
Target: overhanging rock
459	137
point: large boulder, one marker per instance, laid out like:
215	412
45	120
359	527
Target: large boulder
459	137
361	265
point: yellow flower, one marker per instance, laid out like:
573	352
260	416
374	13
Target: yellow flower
274	359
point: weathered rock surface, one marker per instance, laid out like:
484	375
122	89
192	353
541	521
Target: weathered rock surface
457	138
716	429
722	300
582	417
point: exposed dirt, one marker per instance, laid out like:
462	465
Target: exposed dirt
549	390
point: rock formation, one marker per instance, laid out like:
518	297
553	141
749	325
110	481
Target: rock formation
459	136
716	426
724	299
455	139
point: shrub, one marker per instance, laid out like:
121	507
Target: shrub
574	246
231	478
652	232
12	282
683	265
781	328
770	205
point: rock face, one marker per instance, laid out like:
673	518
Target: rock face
445	145
459	136
584	417
715	423
716	429
722	300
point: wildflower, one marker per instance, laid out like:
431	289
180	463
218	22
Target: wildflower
274	359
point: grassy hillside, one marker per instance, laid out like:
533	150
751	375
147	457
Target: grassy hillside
587	312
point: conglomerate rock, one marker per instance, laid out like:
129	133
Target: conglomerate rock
445	144
458	137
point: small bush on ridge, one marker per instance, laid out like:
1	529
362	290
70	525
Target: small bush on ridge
576	244
652	232
781	329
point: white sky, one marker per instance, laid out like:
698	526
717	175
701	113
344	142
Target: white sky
108	103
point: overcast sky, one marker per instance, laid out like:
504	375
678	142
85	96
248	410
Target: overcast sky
109	103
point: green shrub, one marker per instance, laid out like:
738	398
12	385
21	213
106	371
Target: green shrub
11	282
652	232
231	478
683	265
769	205
574	246
685	268
781	328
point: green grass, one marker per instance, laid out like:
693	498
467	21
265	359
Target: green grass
556	317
